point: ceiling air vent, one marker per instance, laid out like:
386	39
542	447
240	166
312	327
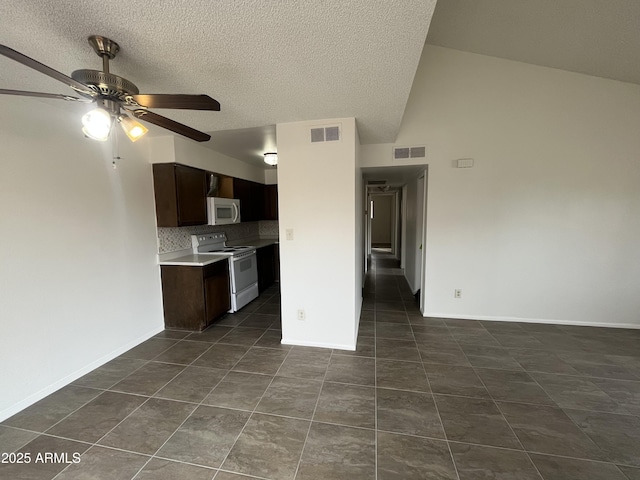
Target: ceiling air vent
400	153
325	134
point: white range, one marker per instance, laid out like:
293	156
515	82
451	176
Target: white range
243	266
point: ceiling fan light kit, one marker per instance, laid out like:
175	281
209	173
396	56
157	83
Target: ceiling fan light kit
132	128
97	124
114	96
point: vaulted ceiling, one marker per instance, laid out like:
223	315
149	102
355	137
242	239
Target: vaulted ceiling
594	37
281	61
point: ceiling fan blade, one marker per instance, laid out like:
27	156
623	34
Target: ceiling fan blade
44	95
172	125
42	68
189	102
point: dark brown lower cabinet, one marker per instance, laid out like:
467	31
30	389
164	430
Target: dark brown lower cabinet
194	297
268	266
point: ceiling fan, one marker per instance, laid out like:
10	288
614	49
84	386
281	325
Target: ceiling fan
115	97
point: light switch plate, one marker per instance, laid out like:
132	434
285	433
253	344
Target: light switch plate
289	233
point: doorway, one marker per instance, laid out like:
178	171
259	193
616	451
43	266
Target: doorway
395	221
384	219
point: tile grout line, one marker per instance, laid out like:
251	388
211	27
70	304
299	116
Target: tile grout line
572	420
253	411
306	438
115	383
498	408
375	384
201	403
96	443
196	405
446	437
528	452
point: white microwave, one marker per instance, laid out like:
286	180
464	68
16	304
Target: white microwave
223	211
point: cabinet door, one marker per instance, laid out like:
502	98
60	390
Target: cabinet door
265	257
217	296
270	202
257	201
182	297
242	191
180	194
191	191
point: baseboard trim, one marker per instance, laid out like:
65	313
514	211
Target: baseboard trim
492	318
48	390
303	343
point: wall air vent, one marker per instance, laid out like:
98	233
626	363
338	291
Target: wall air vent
325	134
332	134
376	182
401	153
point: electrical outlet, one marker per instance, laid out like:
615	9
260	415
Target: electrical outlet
301	315
457	293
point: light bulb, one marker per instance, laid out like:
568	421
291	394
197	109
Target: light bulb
271	158
97	124
132	128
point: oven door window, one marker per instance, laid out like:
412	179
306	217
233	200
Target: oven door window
245	272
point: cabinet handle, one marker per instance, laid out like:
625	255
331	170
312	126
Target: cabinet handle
236	211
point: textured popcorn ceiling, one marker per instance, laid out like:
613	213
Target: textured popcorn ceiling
595	37
265	61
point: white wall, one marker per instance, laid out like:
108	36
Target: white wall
79	280
171	149
318	201
271	176
545	226
412	252
359	270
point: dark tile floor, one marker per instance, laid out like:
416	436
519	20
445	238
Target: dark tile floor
421	398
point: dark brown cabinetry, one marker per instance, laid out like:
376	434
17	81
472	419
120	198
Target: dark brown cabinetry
181	195
270	211
193	297
251	196
268	266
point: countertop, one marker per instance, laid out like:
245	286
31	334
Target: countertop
257	242
192	260
187	258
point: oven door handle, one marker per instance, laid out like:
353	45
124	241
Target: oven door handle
235	258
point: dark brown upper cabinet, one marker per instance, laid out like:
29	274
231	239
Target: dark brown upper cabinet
270	202
251	196
181	195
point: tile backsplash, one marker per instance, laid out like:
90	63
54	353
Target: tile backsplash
268	228
171	239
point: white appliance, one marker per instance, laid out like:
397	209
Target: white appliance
223	211
243	266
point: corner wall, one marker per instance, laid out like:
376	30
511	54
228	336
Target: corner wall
545	226
79	282
320	272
